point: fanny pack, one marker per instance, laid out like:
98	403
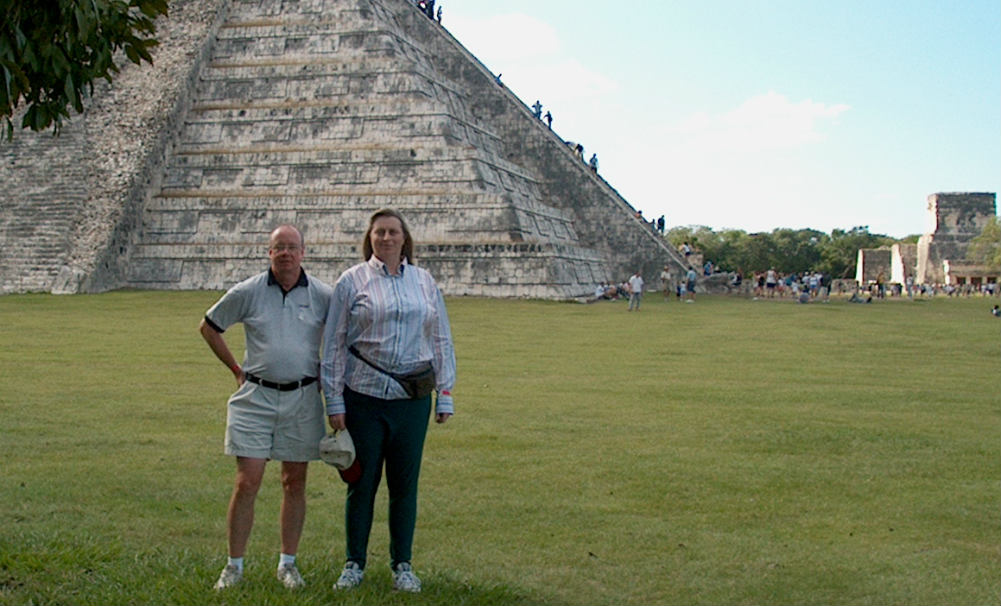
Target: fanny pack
417	384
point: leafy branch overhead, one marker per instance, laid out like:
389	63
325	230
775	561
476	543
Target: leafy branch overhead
52	51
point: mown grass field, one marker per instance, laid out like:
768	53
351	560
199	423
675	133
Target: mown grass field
726	452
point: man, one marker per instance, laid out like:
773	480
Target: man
276	411
665	282
635	291
690	279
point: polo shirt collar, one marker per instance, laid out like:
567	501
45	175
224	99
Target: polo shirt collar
302	281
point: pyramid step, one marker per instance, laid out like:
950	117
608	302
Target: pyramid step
238	83
319	167
285	130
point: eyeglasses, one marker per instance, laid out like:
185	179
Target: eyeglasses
280	248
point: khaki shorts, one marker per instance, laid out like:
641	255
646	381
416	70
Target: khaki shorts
264	423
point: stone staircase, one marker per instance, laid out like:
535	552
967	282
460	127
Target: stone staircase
35	226
318	112
68	202
321	112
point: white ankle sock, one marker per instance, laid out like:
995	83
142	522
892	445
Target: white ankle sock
238	562
286	559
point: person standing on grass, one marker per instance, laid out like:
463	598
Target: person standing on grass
635	291
276	411
665	282
387	319
690	279
771	281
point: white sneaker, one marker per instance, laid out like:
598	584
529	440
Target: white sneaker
289	575
351	576
404	578
230	576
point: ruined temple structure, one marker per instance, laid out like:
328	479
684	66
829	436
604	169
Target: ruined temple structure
939	257
872	265
313	112
954	219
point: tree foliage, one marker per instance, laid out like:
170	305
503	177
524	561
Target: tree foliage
52	51
786	250
986	248
839	251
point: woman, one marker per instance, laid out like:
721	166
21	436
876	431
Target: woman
387	317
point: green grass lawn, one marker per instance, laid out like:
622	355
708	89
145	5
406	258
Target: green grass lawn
726	452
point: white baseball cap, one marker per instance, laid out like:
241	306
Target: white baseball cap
338	449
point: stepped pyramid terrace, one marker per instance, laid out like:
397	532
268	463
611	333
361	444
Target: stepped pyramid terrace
316	113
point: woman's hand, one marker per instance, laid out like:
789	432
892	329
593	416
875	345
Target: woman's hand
441	417
337	422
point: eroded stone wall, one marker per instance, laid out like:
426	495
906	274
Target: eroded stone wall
953	220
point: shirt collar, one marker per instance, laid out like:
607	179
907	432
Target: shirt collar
376	264
302	281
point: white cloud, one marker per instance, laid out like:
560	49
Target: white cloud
761	123
531	58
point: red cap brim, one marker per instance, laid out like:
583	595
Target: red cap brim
352	473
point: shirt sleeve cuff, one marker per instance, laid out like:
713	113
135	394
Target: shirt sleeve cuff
214	326
335	406
444	404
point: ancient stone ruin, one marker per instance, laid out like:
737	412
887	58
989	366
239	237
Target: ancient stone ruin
954	220
872	265
939	257
314	112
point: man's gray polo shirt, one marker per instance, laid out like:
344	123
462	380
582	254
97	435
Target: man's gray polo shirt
283	330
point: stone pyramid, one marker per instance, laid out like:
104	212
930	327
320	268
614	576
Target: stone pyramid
316	113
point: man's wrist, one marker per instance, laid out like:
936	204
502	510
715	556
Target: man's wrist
235	368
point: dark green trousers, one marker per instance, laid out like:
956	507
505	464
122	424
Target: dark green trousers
390	433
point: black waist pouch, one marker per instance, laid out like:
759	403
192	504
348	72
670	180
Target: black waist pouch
417	384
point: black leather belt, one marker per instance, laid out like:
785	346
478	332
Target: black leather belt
280	386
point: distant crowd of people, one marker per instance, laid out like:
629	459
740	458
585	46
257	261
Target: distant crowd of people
804	287
631	289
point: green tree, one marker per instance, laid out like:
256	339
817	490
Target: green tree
797	250
686	233
839	252
52	50
986	248
718	247
728	246
756	252
787	250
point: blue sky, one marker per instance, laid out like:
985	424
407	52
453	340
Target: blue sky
754	114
